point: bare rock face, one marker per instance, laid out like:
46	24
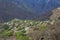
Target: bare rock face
55	14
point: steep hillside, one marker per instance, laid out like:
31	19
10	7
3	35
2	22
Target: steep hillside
10	11
55	14
25	9
17	29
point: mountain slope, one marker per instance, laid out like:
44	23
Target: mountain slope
27	9
9	10
55	14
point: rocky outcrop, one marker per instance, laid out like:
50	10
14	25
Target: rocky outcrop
55	14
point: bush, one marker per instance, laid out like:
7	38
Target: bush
21	36
8	33
5	27
1	35
20	28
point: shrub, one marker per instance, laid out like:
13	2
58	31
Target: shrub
5	26
21	36
20	28
8	33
